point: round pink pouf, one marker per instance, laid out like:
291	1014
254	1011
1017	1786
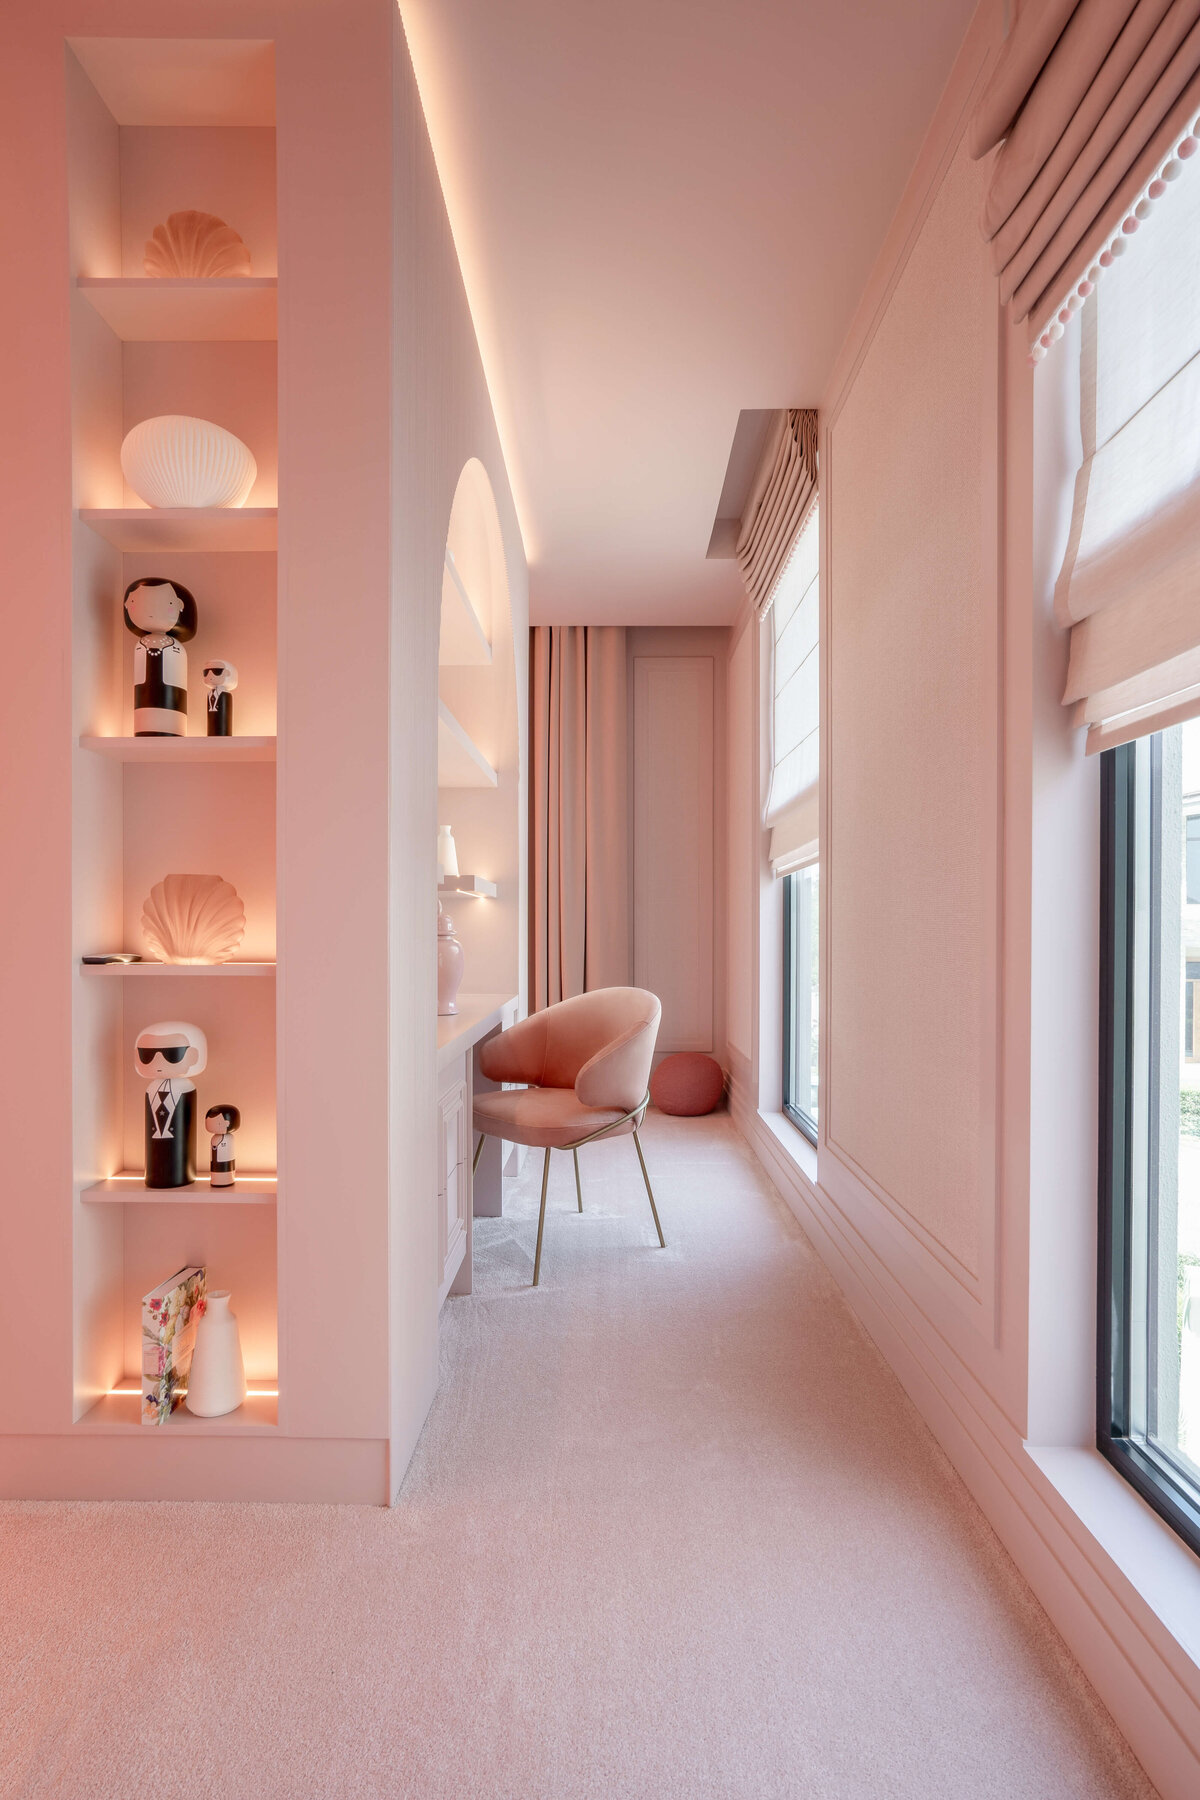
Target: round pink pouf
687	1084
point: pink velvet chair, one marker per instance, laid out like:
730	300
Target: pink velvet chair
585	1066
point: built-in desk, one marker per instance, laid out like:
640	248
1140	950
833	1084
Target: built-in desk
461	1194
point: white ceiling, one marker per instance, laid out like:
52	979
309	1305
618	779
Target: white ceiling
665	211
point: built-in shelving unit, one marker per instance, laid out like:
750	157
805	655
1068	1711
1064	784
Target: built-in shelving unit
150	309
148	807
140	528
461	764
181	752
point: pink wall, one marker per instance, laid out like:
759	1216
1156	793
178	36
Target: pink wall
953	1189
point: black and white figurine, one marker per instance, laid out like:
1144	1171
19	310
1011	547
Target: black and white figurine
167	1056
220	678
222	1122
162	616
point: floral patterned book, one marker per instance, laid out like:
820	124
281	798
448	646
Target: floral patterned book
170	1314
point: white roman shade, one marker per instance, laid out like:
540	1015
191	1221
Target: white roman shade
1129	588
785	486
791	810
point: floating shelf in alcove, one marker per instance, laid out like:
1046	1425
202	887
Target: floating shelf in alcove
123	971
461	764
185	527
462	642
148	309
129	1189
181	749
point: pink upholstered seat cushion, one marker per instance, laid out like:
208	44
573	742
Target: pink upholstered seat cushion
545	1117
687	1083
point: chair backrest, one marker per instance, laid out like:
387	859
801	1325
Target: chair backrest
600	1043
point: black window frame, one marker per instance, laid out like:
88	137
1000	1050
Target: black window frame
800	1119
1149	1470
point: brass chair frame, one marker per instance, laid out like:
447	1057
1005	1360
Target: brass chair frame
637	1115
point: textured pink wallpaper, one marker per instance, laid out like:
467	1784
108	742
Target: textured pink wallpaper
912	504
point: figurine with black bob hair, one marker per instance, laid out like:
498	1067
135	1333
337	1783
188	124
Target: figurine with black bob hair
220	678
162	616
222	1122
166	1056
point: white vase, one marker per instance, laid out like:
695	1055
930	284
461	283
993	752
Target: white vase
217	1377
451	962
175	460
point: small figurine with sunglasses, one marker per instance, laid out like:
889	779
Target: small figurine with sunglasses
166	1056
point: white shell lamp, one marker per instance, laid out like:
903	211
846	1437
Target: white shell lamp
175	460
447	853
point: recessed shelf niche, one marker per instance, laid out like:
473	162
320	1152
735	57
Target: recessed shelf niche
159	126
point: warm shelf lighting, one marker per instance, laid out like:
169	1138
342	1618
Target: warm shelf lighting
251	1393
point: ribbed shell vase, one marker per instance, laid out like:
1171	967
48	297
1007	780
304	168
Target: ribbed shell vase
217	1377
193	919
195	245
175	460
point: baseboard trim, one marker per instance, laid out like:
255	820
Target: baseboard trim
1144	1676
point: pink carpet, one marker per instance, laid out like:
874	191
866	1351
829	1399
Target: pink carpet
672	1532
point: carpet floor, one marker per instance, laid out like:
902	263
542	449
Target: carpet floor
672	1532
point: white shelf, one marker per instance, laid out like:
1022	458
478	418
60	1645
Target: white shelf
468	884
129	1189
122	1411
121	971
185	527
147	309
462	642
181	749
460	763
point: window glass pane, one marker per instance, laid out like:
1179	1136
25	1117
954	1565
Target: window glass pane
802	937
1153	1185
1181	1422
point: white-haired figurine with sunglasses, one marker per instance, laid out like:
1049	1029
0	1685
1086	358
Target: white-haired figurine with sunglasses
167	1056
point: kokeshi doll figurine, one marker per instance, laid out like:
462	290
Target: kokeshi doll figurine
220	678
162	616
222	1122
166	1057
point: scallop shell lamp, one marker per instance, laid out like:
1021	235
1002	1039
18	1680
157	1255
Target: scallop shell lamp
175	460
195	244
193	919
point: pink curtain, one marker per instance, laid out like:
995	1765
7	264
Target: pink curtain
579	802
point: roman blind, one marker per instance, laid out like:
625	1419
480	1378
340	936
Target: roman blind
791	810
1088	99
1129	588
785	486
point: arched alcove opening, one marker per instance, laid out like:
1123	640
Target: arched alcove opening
479	773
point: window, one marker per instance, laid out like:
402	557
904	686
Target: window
1149	1296
791	813
800	941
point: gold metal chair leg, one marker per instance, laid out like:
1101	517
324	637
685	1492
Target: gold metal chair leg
578	1188
478	1152
649	1190
537	1259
